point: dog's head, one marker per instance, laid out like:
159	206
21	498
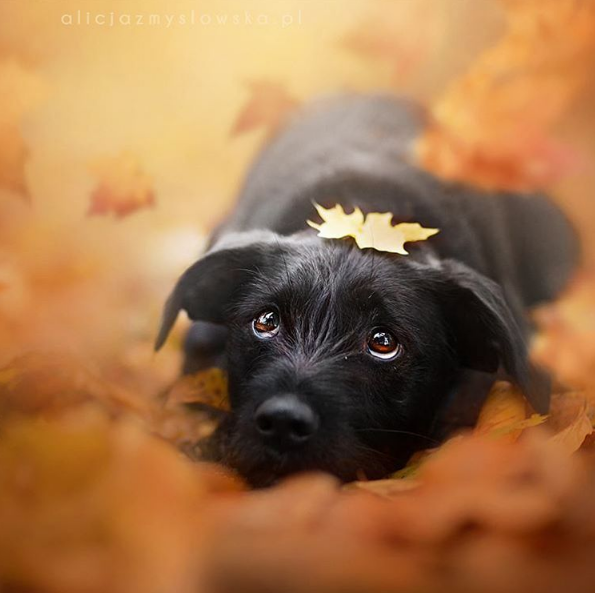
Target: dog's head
340	358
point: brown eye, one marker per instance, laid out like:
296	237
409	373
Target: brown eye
382	344
267	324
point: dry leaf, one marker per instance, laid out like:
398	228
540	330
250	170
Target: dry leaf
411	470
572	437
375	231
208	387
567	406
123	187
337	223
185	426
492	127
503	414
269	106
504	407
566	341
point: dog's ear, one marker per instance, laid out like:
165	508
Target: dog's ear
485	332
207	287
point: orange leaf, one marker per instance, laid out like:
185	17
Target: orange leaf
491	128
269	106
565	407
572	437
565	343
123	187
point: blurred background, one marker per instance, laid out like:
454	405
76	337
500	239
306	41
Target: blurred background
126	128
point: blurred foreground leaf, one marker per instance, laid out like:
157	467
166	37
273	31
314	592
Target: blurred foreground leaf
492	127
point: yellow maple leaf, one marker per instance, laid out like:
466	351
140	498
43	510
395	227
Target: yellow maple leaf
373	231
337	223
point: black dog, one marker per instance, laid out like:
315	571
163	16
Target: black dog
342	359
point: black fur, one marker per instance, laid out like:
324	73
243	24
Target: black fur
456	302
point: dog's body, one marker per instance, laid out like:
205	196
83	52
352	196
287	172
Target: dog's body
457	301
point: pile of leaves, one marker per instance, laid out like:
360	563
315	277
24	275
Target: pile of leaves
94	498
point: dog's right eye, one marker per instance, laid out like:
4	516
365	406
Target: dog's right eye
383	345
267	324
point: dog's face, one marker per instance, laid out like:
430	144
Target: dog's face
333	352
339	359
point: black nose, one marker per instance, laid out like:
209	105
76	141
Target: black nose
285	420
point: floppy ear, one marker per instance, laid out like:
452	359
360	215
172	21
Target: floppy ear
207	287
486	333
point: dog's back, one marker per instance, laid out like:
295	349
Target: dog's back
356	150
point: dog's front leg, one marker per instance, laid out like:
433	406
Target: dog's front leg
204	347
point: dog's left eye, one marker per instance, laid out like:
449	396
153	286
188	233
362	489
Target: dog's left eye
382	344
267	324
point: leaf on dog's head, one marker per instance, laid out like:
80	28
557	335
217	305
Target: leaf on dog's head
374	231
337	223
378	233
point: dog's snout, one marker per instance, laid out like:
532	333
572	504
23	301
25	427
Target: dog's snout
285	420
